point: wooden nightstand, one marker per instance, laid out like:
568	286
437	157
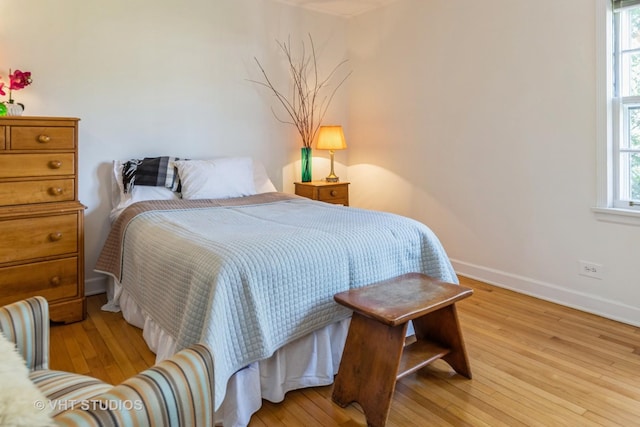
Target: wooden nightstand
330	192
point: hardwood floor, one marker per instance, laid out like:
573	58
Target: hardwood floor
534	363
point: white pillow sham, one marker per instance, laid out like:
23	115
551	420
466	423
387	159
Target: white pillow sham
140	193
120	200
261	180
219	178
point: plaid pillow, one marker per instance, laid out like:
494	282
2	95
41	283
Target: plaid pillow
150	171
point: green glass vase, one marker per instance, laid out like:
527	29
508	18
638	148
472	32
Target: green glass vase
306	164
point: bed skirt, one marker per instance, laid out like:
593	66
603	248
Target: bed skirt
312	360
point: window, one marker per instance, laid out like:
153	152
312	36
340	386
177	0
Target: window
618	110
626	106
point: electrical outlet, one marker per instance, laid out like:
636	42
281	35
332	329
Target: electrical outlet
590	269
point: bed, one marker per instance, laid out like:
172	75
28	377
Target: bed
253	276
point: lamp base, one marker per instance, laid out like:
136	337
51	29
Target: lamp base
332	175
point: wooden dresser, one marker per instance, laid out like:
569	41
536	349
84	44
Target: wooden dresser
41	219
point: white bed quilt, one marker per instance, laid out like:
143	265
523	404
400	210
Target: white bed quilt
251	278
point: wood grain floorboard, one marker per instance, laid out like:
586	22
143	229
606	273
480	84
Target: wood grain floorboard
534	363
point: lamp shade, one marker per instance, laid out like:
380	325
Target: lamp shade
331	138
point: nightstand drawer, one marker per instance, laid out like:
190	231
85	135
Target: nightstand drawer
306	191
27	165
26	192
30	238
329	194
53	280
42	138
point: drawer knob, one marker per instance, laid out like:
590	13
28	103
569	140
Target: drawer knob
333	193
55	280
55	191
44	138
55	164
54	237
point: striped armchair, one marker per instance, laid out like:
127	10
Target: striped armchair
176	392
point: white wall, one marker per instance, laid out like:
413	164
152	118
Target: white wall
478	118
161	77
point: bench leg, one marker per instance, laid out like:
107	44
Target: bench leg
369	367
442	327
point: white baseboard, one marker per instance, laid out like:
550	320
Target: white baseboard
525	285
97	285
549	292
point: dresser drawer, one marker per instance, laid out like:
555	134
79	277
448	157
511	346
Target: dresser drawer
42	138
53	280
328	194
26	165
30	238
26	192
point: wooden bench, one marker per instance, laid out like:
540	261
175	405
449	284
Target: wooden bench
375	355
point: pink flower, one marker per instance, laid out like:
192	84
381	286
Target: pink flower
19	79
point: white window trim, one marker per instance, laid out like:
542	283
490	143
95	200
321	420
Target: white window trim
604	210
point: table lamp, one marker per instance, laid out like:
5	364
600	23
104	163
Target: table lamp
331	138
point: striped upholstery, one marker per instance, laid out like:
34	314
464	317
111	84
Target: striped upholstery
26	323
176	392
67	388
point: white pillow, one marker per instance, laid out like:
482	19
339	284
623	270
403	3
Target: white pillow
261	180
219	178
120	200
140	193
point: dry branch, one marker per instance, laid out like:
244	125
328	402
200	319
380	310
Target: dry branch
306	106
